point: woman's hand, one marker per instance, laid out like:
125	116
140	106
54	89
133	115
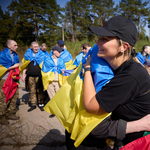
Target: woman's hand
88	62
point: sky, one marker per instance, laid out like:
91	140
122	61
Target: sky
5	3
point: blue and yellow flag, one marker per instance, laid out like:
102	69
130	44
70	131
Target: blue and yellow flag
78	59
49	69
66	74
67	104
6	60
67	57
28	57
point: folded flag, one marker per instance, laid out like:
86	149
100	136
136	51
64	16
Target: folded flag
11	84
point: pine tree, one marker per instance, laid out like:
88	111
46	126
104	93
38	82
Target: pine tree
6	25
136	10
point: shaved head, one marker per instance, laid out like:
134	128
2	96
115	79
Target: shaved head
9	42
12	45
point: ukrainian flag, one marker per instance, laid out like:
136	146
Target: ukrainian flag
78	59
66	74
67	57
49	69
6	60
28	57
67	104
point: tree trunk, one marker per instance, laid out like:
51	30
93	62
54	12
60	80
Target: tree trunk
71	25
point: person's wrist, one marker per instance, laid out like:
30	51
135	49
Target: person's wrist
88	66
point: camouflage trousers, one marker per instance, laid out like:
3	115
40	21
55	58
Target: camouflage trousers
10	107
35	92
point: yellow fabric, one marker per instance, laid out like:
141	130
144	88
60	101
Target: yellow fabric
69	65
46	78
64	78
24	65
60	78
2	70
67	105
41	65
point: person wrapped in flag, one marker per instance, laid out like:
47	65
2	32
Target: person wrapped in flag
9	78
31	67
144	55
43	47
65	55
52	72
84	50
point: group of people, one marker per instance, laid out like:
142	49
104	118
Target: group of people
42	74
126	95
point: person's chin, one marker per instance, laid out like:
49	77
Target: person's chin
100	54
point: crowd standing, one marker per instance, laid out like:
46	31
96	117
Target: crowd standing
125	95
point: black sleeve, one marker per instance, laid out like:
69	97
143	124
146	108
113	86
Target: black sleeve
110	129
121	89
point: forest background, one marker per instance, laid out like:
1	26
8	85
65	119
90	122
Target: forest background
45	21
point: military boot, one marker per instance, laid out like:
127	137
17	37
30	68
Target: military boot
13	117
10	115
3	120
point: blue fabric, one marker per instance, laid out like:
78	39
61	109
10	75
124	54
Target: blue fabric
100	69
6	60
46	53
49	65
67	72
78	59
39	56
141	58
65	55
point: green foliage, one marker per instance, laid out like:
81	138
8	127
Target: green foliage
136	10
140	44
44	20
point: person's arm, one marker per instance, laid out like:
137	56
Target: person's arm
119	128
142	124
14	66
24	75
90	103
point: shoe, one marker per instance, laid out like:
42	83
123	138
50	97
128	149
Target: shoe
3	121
13	117
41	105
51	116
41	108
31	108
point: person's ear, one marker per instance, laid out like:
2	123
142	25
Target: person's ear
8	46
124	47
